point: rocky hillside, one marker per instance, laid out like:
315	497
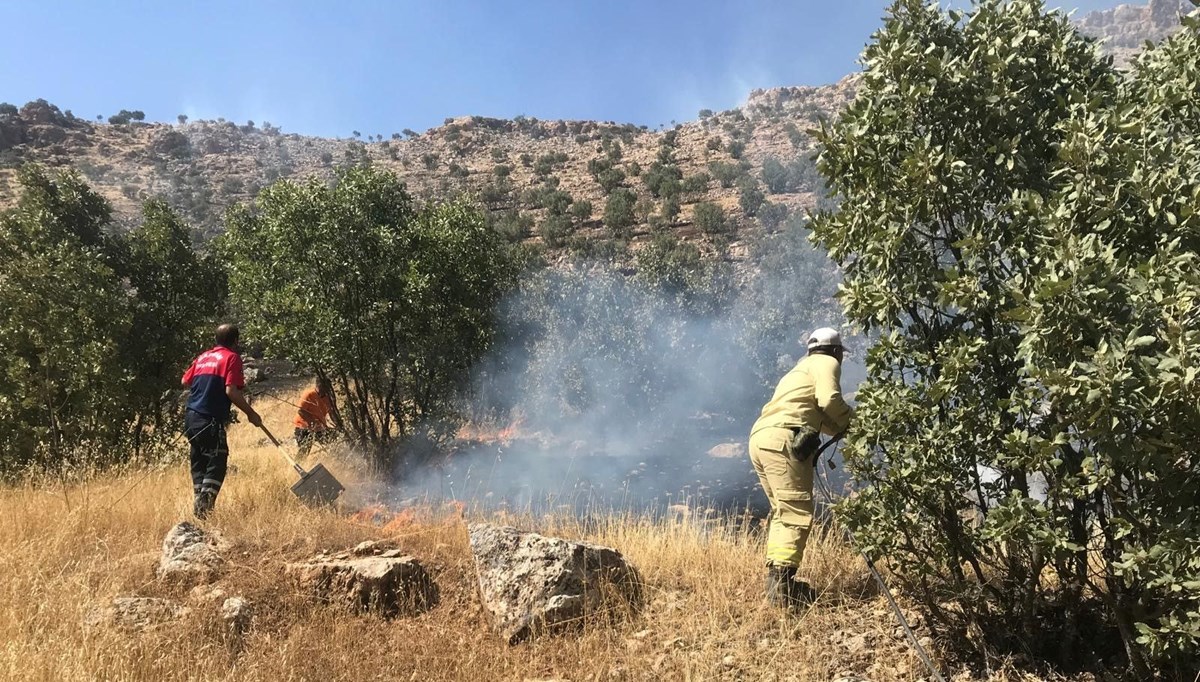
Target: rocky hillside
1126	28
547	182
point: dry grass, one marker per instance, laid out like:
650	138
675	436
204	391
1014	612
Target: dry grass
64	551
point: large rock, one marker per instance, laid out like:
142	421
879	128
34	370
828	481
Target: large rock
189	555
530	583
136	613
387	584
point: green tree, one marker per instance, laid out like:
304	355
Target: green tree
581	211
726	173
389	301
710	218
750	197
98	323
618	212
179	295
1027	430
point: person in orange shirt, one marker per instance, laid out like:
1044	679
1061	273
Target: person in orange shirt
310	422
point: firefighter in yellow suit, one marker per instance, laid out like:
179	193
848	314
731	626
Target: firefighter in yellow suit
807	402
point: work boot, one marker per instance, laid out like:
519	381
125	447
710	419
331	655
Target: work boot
204	503
784	591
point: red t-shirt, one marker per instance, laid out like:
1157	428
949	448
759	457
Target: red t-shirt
208	376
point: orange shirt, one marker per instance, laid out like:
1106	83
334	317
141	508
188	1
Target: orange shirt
317	406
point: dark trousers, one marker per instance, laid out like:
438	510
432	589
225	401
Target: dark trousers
210	453
305	439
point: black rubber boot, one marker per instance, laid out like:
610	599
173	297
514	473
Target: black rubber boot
784	591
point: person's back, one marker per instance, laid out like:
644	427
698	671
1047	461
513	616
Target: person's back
210	373
808	398
215	381
783	443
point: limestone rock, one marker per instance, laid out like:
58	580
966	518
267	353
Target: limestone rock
136	613
728	451
236	613
386	585
189	555
531	583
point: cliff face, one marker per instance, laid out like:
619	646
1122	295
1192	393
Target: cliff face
204	167
1126	28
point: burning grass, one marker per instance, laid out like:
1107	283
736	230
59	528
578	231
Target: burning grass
66	550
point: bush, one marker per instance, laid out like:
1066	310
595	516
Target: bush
581	211
7	109
727	174
430	160
555	229
502	171
750	197
513	225
736	148
663	180
125	116
798	175
771	216
710	218
696	184
618	213
457	171
326	158
1027	430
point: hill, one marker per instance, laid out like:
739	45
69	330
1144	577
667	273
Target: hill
525	171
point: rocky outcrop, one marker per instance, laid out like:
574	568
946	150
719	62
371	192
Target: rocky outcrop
136	613
387	582
530	583
189	556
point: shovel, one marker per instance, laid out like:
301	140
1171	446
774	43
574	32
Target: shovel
316	486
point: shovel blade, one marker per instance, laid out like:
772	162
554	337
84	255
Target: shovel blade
318	487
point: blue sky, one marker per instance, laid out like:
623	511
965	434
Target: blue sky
328	68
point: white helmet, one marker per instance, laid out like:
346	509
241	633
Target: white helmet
825	337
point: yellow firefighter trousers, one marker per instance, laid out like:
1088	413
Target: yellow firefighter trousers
788	484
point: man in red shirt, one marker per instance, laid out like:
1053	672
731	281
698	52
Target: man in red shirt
215	381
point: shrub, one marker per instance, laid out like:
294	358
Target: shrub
770	216
555	229
736	148
457	171
618	213
726	173
430	160
513	225
581	211
696	184
750	197
709	218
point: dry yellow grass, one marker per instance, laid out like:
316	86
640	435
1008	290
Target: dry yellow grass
66	550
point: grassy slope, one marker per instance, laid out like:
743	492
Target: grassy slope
65	550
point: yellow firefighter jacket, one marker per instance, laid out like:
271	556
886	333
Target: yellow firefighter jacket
808	398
